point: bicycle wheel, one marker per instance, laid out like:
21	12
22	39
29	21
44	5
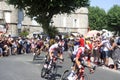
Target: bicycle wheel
46	59
65	75
52	72
54	68
34	57
43	72
84	77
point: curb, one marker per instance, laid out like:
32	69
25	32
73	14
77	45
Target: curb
106	68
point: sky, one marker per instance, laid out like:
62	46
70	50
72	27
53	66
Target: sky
104	4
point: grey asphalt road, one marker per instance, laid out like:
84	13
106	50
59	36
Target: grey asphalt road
22	67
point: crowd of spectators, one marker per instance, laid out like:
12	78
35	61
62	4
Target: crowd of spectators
102	47
17	45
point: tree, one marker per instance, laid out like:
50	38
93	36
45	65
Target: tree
24	33
43	10
114	19
97	18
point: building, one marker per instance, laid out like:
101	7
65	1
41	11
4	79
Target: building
15	19
74	22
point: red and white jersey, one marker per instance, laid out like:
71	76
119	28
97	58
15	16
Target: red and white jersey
53	47
80	52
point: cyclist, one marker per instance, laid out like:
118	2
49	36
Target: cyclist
82	57
39	47
55	50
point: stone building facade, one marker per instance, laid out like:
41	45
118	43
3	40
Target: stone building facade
74	22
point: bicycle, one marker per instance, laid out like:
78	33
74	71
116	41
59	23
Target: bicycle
76	76
49	72
79	74
36	54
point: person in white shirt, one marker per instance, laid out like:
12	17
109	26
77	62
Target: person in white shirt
106	52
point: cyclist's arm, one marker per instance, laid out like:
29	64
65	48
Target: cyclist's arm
77	62
41	47
50	54
77	58
51	50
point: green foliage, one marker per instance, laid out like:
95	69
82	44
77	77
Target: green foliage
24	33
52	31
97	18
43	10
113	18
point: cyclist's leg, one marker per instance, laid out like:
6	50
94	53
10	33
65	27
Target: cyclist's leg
87	63
37	51
72	73
41	49
60	55
51	54
84	77
47	56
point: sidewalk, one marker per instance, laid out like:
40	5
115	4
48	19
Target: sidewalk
110	61
106	68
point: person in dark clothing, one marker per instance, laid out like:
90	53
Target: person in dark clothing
115	52
1	48
20	45
65	45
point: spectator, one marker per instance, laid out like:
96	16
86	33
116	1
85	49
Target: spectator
115	52
1	48
76	43
96	50
106	52
14	47
20	45
82	41
28	46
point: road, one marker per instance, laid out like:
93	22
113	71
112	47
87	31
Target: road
21	67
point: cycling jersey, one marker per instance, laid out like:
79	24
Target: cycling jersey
53	47
82	42
55	50
83	55
39	44
79	52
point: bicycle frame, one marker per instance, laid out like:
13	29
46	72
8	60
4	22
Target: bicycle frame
78	75
49	72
